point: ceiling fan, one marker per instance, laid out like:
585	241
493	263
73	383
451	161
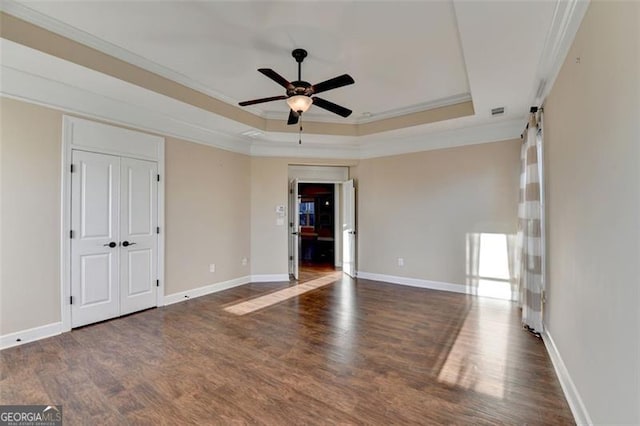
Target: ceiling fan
300	93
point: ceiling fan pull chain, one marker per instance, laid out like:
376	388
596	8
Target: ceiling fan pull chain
300	132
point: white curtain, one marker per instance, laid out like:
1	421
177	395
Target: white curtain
530	238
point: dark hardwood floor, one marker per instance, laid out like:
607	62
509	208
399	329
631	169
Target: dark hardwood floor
353	352
308	271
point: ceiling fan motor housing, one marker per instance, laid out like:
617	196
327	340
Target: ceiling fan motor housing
300	88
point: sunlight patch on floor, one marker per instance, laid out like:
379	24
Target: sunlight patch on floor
267	300
478	358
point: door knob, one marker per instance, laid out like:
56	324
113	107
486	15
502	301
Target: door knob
111	244
127	244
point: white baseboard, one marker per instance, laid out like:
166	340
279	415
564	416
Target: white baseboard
207	289
415	282
268	278
580	414
30	335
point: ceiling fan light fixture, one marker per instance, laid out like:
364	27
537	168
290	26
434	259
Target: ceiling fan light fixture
299	103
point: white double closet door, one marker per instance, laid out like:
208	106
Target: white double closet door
114	242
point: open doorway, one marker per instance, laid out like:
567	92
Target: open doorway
317	238
318	206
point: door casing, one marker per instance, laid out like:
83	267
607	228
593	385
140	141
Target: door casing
102	138
338	219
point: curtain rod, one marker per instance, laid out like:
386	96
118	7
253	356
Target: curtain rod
532	110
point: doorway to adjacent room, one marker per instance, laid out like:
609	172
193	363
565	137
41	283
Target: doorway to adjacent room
317	229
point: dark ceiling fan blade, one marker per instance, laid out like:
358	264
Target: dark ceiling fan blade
293	117
259	101
334	83
275	77
330	106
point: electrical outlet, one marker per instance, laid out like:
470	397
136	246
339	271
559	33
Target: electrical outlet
212	267
244	261
400	261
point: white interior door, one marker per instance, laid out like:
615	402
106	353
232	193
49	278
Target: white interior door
95	231
138	236
294	229
349	228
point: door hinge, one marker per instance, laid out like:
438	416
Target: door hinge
158	177
71	234
157	230
71	300
157	283
71	167
290	257
291	191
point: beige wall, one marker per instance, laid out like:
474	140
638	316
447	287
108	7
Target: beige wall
30	160
421	207
592	139
207	215
269	188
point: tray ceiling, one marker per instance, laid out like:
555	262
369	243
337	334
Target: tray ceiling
407	58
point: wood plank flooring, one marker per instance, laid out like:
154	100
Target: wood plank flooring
353	352
309	271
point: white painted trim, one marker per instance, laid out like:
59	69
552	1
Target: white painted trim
392	113
100	97
566	20
415	282
580	413
203	291
88	135
425	106
20	10
161	224
337	224
291	149
472	135
318	174
30	335
191	124
65	226
36	77
269	278
68	124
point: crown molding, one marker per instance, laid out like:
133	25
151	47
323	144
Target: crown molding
34	17
567	17
392	113
412	109
29	75
359	148
35	30
470	135
35	77
306	150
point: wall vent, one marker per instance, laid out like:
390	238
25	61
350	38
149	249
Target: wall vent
497	111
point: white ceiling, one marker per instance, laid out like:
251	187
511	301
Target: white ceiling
404	56
401	54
